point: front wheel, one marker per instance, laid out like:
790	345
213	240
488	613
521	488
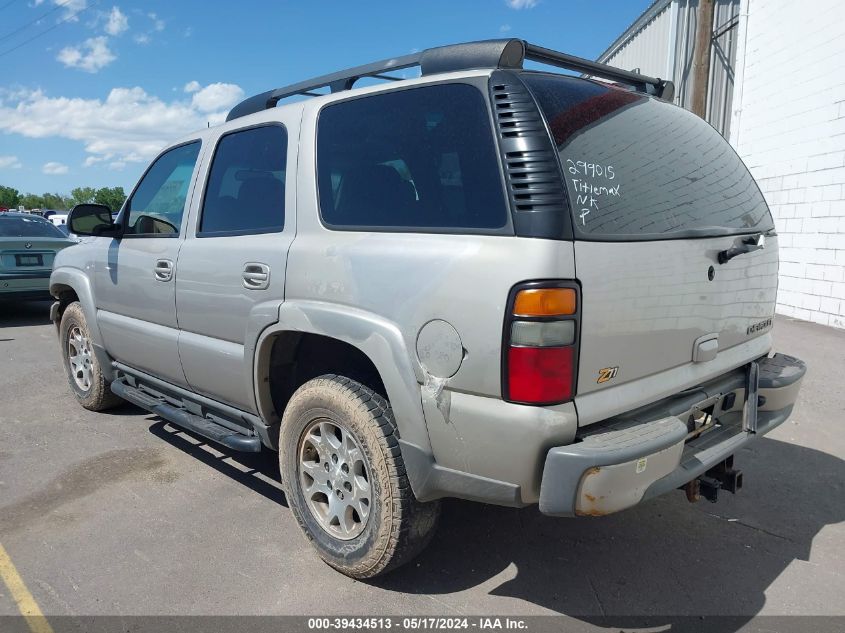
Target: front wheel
345	479
84	374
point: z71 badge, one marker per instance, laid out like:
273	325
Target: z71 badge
607	373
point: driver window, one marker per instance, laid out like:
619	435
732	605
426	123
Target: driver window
158	203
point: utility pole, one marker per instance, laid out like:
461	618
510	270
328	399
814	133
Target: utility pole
701	57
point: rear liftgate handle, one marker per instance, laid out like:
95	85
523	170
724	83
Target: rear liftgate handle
256	276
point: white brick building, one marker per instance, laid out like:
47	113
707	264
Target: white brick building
784	112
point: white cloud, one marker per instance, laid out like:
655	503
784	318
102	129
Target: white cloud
54	169
71	8
92	55
158	23
10	162
116	22
142	38
504	28
192	86
521	4
130	125
216	97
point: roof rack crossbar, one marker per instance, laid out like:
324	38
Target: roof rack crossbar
652	85
503	54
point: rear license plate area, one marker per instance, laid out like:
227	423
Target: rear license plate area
29	260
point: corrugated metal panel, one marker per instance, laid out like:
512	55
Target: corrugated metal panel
646	46
722	62
645	49
684	46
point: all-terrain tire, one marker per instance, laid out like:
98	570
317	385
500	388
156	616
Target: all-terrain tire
97	396
398	526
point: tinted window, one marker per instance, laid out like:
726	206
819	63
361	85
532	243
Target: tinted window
158	203
415	159
17	226
246	184
637	166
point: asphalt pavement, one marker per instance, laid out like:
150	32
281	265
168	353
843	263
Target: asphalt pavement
121	514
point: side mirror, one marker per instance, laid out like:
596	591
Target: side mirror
92	219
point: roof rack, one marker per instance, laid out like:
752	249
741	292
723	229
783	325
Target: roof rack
505	54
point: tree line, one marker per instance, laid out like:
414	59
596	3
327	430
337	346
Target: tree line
112	197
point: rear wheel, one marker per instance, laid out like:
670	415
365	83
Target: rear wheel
84	374
345	479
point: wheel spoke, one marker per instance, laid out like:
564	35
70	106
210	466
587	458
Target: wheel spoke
316	471
347	523
354	456
363	508
328	431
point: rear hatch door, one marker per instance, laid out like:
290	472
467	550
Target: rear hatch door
656	194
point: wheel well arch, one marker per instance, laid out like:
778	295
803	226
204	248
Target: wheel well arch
290	359
65	295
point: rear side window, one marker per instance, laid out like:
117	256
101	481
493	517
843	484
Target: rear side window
639	168
246	183
419	159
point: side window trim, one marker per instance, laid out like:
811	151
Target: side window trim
213	155
125	209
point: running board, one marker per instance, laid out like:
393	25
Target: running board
182	418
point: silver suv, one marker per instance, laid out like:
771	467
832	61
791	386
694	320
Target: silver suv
484	283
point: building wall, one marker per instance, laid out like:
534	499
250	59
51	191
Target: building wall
788	125
660	43
646	49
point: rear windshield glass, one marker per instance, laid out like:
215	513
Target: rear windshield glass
16	226
638	167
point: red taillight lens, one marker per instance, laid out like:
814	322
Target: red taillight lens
540	374
540	352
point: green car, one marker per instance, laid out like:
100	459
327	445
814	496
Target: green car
28	245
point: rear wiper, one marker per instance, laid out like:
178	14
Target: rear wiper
746	245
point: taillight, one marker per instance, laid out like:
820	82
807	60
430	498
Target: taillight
540	351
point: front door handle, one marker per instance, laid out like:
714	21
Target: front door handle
256	276
163	270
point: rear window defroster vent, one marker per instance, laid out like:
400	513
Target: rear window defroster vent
532	172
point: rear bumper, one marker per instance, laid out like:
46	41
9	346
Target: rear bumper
648	452
30	285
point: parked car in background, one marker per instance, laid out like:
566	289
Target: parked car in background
57	218
65	229
28	245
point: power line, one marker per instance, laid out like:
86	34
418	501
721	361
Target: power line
45	31
38	19
8	4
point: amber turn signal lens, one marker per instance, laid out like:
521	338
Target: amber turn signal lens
545	302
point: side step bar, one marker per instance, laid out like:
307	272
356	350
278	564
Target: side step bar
182	418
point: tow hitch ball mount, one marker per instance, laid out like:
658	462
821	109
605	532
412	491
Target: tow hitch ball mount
720	477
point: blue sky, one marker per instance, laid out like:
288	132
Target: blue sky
91	89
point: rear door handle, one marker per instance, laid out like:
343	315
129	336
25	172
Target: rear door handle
256	276
163	270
